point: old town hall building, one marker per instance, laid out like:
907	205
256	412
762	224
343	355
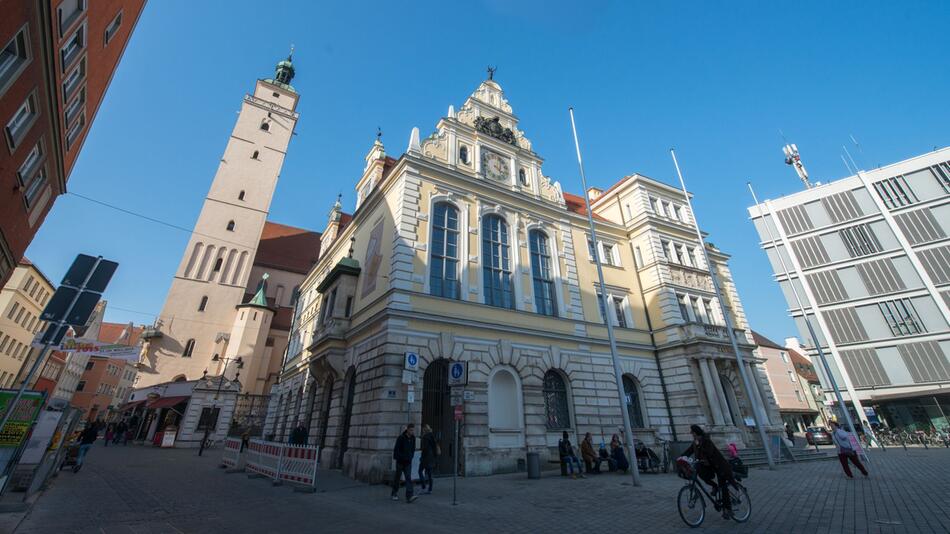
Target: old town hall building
462	250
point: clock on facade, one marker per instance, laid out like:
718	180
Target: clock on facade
495	166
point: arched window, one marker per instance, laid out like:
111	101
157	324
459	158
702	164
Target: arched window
463	154
230	226
241	195
189	348
503	412
203	304
255	154
496	263
217	265
265	126
555	401
444	256
631	391
180	378
523	176
544	299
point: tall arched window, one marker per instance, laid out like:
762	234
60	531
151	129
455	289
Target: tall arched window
444	258
241	195
230	226
217	265
255	154
189	348
555	401
496	263
544	299
631	392
203	304
503	413
523	176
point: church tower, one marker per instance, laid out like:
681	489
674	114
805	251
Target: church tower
213	276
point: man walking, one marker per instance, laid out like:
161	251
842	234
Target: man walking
790	434
403	452
846	451
299	434
86	439
430	450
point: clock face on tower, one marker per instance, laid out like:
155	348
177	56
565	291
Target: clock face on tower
495	166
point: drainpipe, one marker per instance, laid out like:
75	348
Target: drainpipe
656	353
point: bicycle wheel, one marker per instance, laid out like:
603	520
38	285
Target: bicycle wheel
741	505
691	505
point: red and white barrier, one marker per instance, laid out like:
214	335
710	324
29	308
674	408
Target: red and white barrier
298	463
232	457
282	462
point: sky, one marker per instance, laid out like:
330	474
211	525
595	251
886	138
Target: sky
719	81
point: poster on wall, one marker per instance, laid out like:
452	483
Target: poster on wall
40	439
373	259
22	418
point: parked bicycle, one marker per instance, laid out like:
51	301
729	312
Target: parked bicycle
692	505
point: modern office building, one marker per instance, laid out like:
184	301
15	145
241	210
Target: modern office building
869	255
56	62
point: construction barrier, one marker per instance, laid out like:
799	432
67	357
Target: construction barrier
233	458
298	463
282	462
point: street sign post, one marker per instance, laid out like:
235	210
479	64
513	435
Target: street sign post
455	467
458	374
70	305
456	397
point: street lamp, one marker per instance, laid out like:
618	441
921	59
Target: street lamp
240	365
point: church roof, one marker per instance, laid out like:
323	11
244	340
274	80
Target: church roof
287	248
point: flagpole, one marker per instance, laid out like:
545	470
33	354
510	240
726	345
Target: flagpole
610	328
758	417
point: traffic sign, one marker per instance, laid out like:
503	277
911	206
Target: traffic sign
456	397
408	377
458	413
411	396
81	268
458	374
412	361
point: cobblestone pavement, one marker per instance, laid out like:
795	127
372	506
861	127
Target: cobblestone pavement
136	489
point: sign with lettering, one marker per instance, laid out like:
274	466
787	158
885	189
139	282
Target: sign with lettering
22	418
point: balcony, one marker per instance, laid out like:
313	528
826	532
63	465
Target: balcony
708	332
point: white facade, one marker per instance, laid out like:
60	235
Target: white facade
870	259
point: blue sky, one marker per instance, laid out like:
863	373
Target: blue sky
717	80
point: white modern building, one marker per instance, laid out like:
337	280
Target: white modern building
869	256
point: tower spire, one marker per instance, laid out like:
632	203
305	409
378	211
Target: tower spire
284	73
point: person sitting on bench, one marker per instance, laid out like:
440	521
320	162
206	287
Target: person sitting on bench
618	455
591	458
566	452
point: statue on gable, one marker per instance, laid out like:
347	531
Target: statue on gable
494	128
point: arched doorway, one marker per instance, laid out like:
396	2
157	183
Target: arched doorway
437	413
347	415
325	412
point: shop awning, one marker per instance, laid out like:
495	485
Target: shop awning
166	402
131	405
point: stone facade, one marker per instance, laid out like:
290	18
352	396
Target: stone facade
463	251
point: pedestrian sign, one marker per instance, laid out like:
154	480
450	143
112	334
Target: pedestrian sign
412	361
458	374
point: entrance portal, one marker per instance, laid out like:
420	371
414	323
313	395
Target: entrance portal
347	415
437	413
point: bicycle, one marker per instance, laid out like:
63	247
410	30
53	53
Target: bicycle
692	505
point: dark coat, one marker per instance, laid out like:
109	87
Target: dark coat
428	447
89	435
404	449
299	436
564	448
707	454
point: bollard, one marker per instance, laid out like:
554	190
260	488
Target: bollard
534	465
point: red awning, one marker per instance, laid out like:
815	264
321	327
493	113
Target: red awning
130	405
166	402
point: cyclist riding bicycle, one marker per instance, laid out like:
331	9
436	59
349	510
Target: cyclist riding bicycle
711	464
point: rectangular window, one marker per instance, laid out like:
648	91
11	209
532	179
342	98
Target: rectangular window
942	170
694	305
21	121
444	252
919	226
12	58
591	249
75	130
895	192
69	11
618	312
73	110
784	356
609	254
655	205
901	317
665	245
72	82
34	186
90	365
208	420
798	395
600	307
791	376
349	307
113	27
73	47
328	307
678	213
13	309
860	240
707	307
81	385
680	252
683	302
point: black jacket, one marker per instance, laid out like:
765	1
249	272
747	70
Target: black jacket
564	448
404	449
88	436
708	454
428	447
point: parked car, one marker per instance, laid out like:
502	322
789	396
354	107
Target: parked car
817	435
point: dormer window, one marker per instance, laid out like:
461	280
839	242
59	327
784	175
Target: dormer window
523	177
463	154
265	126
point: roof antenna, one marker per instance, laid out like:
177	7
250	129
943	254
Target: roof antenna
793	158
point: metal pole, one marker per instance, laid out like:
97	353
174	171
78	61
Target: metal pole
811	329
610	328
455	466
732	335
201	447
46	347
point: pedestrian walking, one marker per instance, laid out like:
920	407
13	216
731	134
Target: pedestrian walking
110	433
430	451
403	452
86	439
120	429
299	434
790	434
846	452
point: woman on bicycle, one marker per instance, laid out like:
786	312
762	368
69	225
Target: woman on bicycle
711	465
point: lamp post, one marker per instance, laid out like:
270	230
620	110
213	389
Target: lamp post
240	365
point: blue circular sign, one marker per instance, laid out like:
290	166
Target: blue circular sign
412	359
456	370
